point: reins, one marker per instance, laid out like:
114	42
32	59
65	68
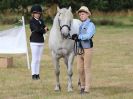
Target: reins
78	48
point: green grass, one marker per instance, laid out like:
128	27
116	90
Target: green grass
111	71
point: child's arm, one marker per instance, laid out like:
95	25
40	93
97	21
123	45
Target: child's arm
89	33
34	28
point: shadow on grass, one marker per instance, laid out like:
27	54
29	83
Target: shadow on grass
112	90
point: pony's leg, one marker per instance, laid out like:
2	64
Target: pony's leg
57	71
69	71
66	61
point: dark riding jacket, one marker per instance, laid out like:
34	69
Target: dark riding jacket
37	30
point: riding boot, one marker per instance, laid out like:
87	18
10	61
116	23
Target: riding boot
82	90
34	77
37	77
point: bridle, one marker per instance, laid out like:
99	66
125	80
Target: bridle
65	25
77	51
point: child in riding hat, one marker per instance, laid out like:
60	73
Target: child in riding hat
86	32
37	28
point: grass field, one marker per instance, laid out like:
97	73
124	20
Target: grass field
112	72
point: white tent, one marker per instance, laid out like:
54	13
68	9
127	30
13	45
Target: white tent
13	41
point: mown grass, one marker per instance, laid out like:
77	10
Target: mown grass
111	71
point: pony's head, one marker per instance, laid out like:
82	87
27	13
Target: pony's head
65	18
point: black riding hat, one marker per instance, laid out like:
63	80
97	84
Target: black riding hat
36	8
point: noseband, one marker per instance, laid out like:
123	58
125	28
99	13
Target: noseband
65	26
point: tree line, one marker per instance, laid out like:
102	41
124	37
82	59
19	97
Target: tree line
49	7
101	5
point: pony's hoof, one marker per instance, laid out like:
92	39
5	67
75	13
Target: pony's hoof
57	88
70	89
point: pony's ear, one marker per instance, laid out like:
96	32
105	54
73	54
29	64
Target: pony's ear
58	9
70	9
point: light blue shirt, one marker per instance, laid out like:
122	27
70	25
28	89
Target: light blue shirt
86	30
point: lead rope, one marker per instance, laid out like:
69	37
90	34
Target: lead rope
77	50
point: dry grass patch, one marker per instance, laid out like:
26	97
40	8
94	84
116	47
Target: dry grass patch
111	71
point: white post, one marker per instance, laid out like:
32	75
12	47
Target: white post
28	62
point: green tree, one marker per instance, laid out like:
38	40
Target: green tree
103	5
